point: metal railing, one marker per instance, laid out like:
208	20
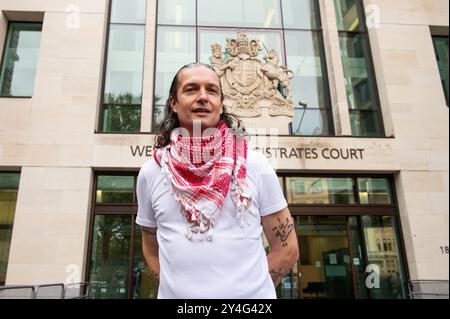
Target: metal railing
428	289
17	292
51	291
48	291
77	291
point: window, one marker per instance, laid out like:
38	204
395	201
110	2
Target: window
187	29
305	57
116	264
359	76
379	248
175	48
114	189
122	92
320	190
240	13
374	191
20	58
177	12
346	190
9	185
441	49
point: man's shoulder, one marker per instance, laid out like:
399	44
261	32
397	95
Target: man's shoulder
150	168
255	158
258	163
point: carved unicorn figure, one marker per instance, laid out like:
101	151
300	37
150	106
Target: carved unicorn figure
277	74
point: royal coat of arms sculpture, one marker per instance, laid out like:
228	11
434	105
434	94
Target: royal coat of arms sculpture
247	81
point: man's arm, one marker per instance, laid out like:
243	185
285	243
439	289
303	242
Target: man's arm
150	250
279	229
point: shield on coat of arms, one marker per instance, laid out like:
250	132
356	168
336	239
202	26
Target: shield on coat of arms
245	72
244	77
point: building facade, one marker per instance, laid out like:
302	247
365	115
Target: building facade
363	160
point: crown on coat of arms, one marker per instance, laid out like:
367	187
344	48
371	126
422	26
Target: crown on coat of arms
243	44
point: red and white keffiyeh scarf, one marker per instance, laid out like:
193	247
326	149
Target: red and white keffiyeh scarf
202	170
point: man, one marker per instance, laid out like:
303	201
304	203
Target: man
205	200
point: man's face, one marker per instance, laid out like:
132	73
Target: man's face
198	98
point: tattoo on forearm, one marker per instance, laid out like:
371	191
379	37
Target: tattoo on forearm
283	230
276	275
154	276
151	232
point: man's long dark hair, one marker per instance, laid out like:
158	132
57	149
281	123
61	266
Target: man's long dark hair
171	122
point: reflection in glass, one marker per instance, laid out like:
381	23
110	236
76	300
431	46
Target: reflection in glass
123	83
119	118
364	123
9	181
9	184
177	12
374	191
308	86
20	59
441	49
284	289
143	285
158	117
319	190
355	62
348	16
358	268
300	14
314	122
303	57
114	189
270	39
110	256
240	13
360	87
122	96
383	250
175	48
128	11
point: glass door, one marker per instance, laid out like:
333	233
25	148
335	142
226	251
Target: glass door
143	286
110	256
346	257
325	260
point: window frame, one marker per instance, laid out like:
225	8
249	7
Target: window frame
5	44
372	76
129	209
433	38
6	226
356	209
326	80
102	103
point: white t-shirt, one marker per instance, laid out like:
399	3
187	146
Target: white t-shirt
233	264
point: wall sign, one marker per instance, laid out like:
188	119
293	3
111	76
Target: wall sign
281	152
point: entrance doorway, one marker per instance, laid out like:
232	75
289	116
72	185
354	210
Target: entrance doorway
345	257
324	268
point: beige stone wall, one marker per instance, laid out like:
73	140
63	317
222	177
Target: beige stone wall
335	69
413	101
50	227
51	136
149	68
